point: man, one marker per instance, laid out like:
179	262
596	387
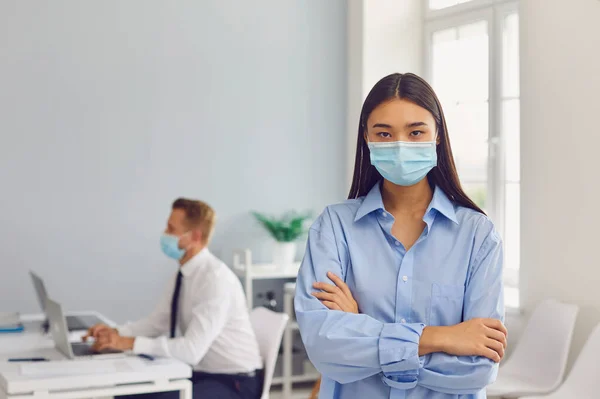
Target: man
206	301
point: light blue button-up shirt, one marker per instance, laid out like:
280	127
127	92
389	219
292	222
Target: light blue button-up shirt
452	273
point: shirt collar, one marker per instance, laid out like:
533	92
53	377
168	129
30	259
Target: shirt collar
191	265
372	202
440	202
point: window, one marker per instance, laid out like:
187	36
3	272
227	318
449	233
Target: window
472	62
439	4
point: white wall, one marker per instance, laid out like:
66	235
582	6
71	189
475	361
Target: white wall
111	109
355	68
384	37
393	39
560	91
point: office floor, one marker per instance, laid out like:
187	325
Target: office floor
302	393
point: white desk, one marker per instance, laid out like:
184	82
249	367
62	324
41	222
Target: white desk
159	375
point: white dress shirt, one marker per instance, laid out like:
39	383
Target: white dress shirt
212	315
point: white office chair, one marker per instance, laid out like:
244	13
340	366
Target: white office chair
582	382
537	366
268	327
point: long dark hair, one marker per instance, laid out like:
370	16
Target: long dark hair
415	89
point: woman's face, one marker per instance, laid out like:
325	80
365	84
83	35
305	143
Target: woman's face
400	120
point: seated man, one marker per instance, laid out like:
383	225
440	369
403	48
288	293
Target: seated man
206	301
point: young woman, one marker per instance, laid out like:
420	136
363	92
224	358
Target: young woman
417	308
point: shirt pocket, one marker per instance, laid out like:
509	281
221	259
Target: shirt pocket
446	304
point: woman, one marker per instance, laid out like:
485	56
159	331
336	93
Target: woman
409	249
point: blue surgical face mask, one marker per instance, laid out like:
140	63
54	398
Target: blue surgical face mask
403	163
170	246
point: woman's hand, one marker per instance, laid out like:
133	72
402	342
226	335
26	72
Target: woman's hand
476	337
336	297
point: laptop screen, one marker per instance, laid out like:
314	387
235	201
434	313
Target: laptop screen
40	289
58	328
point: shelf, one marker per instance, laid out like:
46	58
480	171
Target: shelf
298	378
264	271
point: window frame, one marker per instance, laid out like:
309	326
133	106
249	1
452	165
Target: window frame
494	12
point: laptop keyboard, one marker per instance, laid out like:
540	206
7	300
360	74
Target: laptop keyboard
74	324
84	349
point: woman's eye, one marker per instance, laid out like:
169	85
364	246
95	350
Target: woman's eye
384	135
416	133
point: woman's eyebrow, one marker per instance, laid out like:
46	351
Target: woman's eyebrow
383	125
408	125
415	124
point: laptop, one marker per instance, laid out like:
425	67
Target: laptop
60	335
74	323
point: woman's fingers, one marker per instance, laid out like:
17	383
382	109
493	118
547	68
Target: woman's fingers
331	305
341	284
496	325
490	354
339	294
496	347
496	335
326	287
325	296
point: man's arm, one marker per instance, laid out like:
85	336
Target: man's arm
155	324
208	319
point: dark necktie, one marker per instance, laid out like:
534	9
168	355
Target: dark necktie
175	304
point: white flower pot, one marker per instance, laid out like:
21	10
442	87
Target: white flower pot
284	253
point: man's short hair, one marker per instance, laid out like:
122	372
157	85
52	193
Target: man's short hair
198	215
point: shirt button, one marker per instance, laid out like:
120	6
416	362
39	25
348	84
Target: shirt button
398	243
405	278
384	214
402	320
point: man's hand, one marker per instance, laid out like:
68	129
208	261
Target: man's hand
109	339
336	297
96	330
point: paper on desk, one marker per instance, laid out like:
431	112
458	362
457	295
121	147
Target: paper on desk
81	367
9	318
10	322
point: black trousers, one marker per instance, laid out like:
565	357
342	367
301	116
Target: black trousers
215	386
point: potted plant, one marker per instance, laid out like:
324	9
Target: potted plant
285	230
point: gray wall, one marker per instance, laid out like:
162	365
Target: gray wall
111	109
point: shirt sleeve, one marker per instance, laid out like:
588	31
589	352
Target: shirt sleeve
208	320
483	298
348	347
154	325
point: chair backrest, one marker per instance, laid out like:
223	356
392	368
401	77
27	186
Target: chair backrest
268	327
582	381
542	351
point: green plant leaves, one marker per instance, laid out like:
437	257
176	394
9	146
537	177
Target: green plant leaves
288	228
